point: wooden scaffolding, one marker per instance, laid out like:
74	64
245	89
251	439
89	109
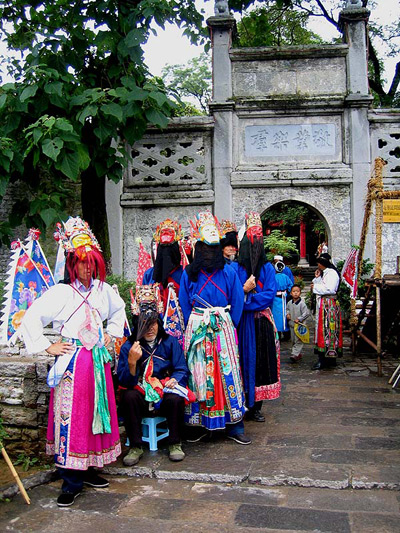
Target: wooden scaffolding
372	306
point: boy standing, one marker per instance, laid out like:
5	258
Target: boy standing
296	311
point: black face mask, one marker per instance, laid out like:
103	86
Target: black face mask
168	258
207	258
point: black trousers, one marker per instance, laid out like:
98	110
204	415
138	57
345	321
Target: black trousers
73	479
134	408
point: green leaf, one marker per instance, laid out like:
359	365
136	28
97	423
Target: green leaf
37	135
3	100
79	100
28	92
104	131
48	216
63	124
3	184
136	93
134	38
52	147
69	165
84	158
88	111
159	98
113	109
157	118
54	88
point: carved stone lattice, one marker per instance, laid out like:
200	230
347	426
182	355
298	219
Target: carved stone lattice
388	148
169	161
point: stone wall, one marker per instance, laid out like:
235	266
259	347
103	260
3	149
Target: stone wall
169	176
24	397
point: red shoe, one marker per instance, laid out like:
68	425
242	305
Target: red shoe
296	358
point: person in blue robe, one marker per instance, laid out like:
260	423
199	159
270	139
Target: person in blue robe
167	263
211	298
286	270
258	345
283	287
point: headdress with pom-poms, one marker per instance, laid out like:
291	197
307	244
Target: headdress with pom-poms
168	231
227	226
253	219
148	305
75	235
201	221
147	296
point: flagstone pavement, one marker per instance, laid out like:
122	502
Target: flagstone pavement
326	459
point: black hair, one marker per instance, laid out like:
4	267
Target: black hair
296	285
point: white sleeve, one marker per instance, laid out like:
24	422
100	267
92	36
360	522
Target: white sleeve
329	283
43	311
116	313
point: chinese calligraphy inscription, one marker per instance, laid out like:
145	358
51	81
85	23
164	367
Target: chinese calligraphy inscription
290	139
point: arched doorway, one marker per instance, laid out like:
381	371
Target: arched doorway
302	224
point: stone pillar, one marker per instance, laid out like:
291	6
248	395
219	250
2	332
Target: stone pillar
303	260
353	22
221	107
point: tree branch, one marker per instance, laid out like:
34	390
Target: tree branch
395	82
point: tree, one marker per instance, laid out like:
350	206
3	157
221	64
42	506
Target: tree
191	80
278	243
274	26
329	10
81	92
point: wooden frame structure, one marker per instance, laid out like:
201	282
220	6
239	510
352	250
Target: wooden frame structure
376	194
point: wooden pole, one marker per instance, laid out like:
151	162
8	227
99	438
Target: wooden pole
378	263
15	475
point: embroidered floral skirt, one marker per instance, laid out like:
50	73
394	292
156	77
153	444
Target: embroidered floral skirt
212	355
328	328
69	432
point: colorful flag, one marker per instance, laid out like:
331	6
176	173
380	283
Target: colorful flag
350	271
24	283
144	263
302	331
35	252
173	318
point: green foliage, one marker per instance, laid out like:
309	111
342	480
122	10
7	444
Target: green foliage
291	213
26	461
124	287
275	26
191	80
185	109
277	243
81	92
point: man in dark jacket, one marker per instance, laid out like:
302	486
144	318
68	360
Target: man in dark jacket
152	370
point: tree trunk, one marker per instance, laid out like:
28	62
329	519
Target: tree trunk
94	210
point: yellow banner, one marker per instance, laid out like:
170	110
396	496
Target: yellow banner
391	210
302	331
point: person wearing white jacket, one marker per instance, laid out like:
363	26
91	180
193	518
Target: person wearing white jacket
328	321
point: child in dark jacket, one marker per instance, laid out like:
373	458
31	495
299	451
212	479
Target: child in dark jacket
296	312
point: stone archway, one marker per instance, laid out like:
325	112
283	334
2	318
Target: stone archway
301	221
331	204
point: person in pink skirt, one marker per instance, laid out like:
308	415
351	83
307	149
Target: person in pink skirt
83	425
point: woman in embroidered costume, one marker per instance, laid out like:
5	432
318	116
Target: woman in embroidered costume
258	339
83	426
211	299
328	320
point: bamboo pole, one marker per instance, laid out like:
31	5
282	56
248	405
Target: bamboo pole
378	264
15	475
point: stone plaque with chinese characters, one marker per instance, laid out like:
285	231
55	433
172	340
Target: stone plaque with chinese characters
290	139
391	210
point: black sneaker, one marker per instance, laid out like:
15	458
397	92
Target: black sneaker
66	499
240	439
97	482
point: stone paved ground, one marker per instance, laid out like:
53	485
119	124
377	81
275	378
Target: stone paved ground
326	460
